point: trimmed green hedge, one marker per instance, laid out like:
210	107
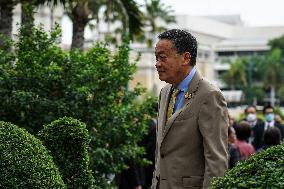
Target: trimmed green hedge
68	141
263	170
24	161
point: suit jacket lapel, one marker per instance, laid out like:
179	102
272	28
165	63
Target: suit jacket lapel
164	106
192	88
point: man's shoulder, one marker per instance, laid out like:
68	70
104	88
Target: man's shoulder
207	84
208	88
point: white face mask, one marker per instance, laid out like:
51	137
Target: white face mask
251	117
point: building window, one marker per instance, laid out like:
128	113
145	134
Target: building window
225	53
206	55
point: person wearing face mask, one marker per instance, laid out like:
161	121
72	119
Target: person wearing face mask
251	118
254	122
268	112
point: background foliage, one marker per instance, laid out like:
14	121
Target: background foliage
40	83
258	75
25	162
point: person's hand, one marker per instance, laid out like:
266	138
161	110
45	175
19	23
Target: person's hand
138	187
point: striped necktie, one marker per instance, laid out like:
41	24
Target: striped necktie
172	103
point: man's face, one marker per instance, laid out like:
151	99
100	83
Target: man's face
170	65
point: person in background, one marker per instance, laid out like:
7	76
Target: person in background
268	112
271	137
277	120
232	121
254	122
149	143
243	132
130	178
234	153
139	176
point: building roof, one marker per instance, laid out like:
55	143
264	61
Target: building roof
236	44
267	33
234	19
228	32
203	25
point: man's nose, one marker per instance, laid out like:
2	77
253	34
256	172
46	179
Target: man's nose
158	64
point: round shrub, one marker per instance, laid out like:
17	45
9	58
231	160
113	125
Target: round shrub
68	141
263	170
24	161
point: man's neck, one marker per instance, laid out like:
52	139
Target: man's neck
183	76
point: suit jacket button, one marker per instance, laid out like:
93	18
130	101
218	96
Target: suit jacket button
162	155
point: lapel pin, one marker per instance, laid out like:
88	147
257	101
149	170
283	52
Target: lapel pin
188	95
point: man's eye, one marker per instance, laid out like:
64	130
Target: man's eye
163	57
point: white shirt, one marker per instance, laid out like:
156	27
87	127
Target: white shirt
268	125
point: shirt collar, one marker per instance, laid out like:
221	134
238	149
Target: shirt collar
269	124
183	86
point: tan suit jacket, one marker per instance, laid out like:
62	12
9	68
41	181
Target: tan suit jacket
192	144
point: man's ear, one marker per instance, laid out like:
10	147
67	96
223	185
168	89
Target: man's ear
187	58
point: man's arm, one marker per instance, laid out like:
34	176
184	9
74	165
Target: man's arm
213	125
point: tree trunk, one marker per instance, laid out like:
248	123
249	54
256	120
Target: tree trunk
152	33
27	12
272	95
78	34
51	18
6	13
79	16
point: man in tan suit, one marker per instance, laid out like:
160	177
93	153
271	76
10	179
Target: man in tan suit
193	118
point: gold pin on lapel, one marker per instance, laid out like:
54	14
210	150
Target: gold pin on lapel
188	95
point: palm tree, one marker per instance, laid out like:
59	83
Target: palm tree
244	74
28	6
155	10
273	69
131	17
236	76
81	12
278	43
27	11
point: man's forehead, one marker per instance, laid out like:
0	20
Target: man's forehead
269	110
251	109
164	45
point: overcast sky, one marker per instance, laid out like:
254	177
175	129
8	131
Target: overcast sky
253	12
